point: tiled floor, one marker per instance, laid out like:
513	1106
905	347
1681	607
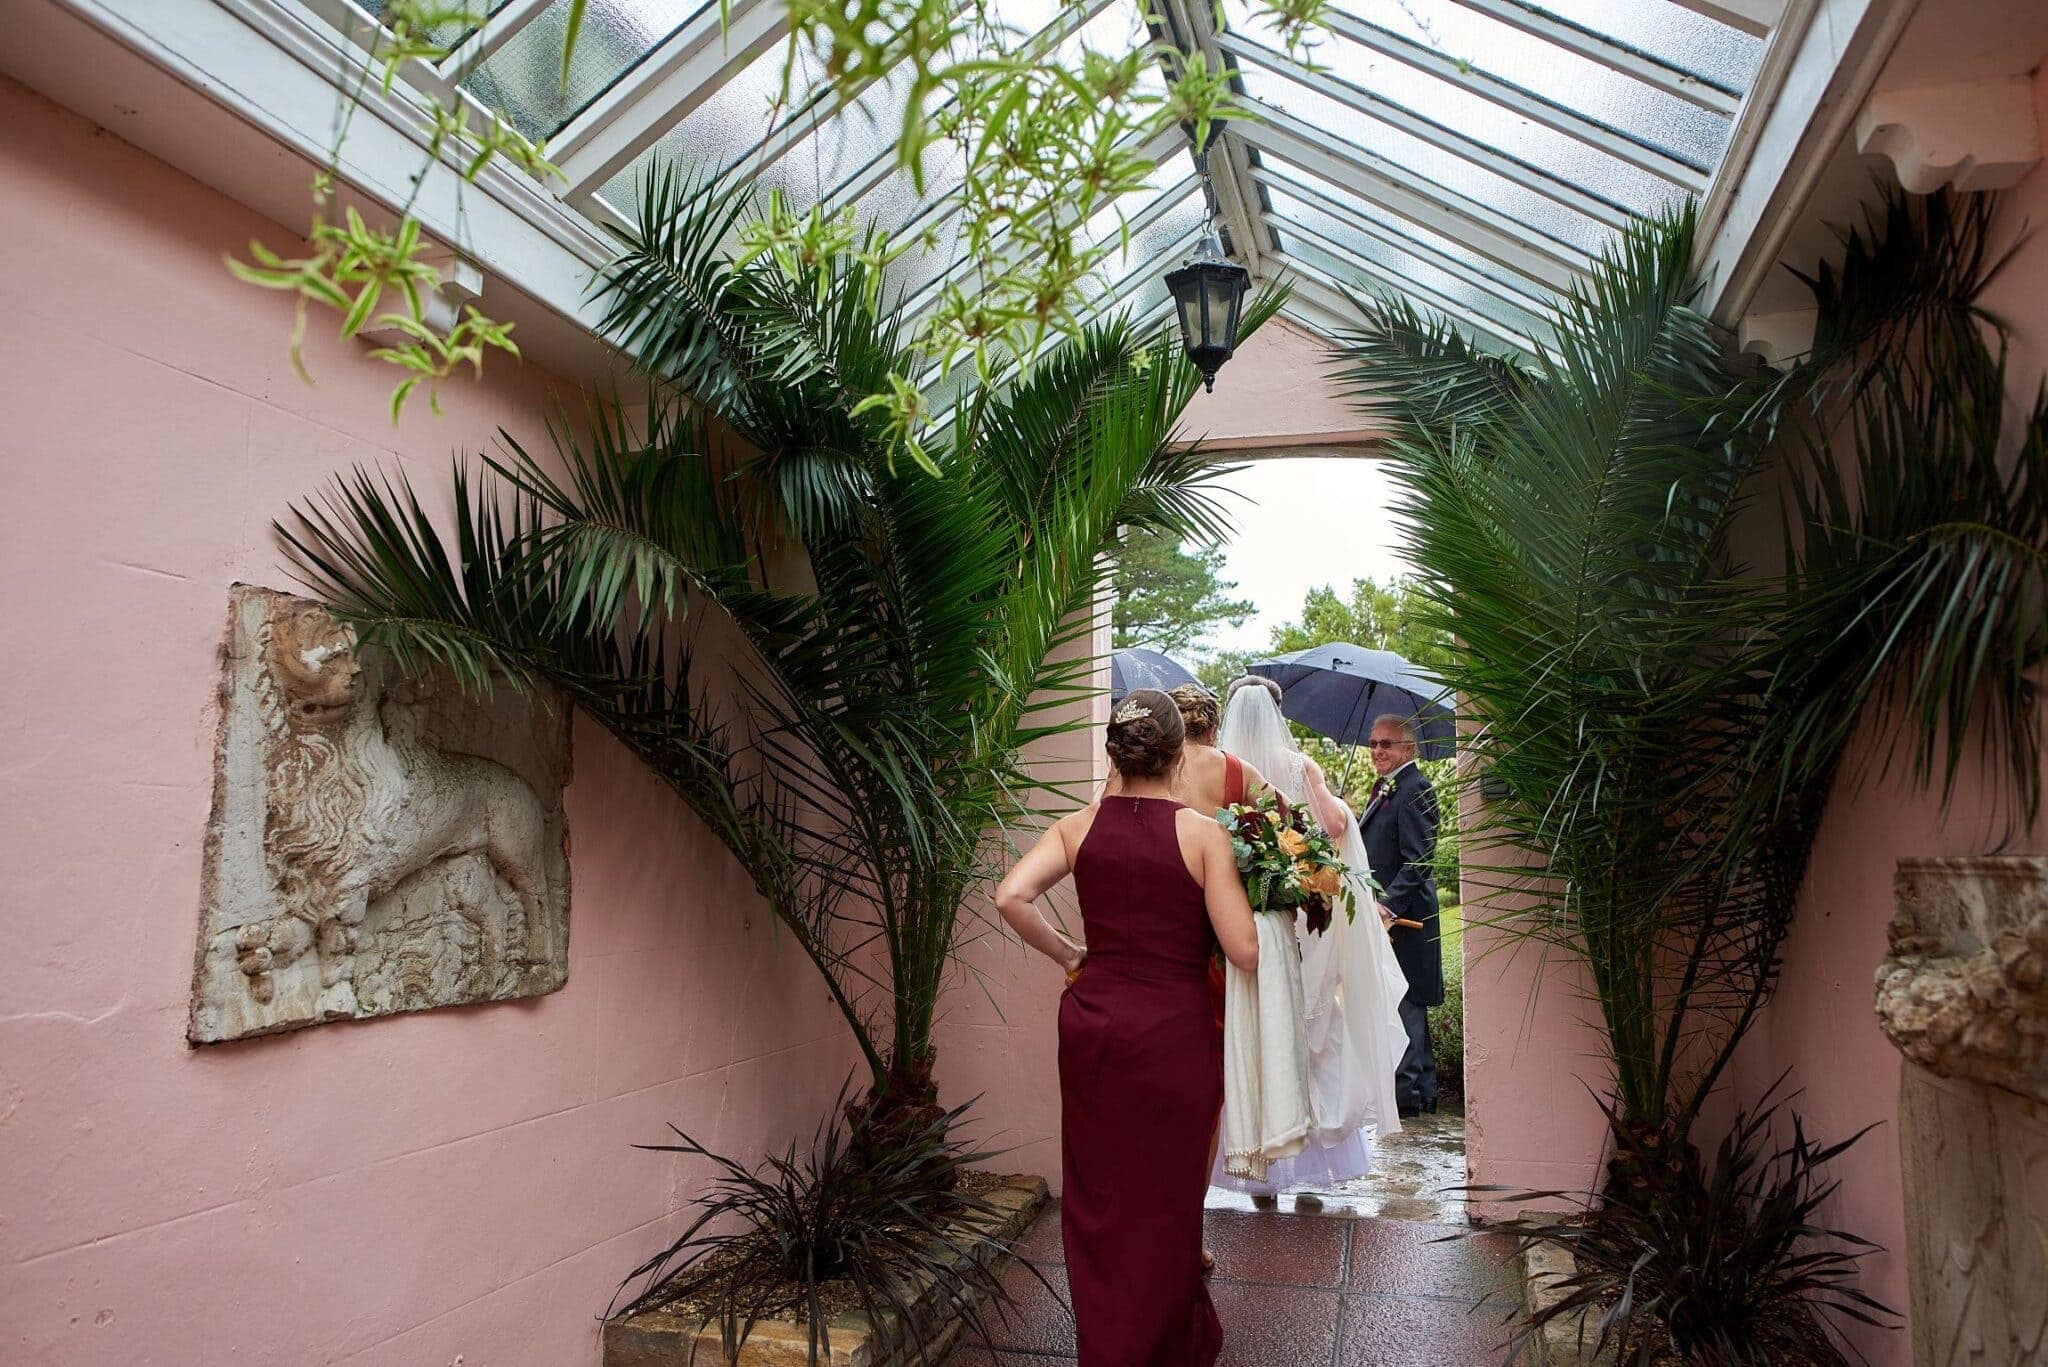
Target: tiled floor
1301	1291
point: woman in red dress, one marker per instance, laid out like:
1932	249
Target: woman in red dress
1141	1055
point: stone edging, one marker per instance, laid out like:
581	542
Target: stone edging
656	1338
1567	1341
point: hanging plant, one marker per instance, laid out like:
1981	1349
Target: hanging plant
1046	135
382	279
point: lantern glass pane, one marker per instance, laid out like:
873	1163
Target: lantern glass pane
1219	288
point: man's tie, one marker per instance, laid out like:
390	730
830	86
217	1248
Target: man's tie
1379	788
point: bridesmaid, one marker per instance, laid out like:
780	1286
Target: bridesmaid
1141	1057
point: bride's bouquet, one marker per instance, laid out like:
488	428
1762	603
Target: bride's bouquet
1287	861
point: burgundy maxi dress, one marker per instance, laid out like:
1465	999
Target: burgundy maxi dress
1141	1081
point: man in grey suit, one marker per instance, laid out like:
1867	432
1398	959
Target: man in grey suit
1399	827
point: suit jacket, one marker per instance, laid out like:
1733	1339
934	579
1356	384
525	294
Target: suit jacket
1400	840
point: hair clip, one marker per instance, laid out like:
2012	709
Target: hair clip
1130	712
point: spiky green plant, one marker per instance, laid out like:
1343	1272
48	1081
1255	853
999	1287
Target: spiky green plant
1668	721
889	644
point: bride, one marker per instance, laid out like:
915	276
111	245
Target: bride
1351	984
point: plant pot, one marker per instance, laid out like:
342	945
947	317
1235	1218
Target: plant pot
646	1334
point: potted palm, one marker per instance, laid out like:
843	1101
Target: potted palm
1664	724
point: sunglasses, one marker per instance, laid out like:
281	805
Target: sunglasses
1387	744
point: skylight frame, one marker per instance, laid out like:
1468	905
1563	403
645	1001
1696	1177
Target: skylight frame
1539	180
1513	262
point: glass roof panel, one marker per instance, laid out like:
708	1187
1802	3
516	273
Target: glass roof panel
1673	35
1159	215
1555	155
1424	162
447	33
1291	212
523	80
1650	117
1532	150
1277	177
1344	272
723	127
726	129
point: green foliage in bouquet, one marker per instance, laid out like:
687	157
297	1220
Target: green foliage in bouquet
1288	863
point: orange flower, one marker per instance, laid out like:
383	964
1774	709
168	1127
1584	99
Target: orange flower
1325	880
1293	842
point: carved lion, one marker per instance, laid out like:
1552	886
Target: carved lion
357	801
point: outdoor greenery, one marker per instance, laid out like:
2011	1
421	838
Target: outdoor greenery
1447	1018
1378	616
1170	595
1668	716
838	660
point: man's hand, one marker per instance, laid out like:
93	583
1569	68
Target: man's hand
1386	917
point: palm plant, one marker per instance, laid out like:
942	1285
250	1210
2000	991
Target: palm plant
1667	721
838	660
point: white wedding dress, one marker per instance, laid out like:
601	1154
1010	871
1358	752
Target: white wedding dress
1351	989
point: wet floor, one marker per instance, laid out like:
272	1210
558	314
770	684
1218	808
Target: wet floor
1415	1175
1397	1279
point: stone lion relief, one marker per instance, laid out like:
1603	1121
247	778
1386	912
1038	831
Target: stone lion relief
377	845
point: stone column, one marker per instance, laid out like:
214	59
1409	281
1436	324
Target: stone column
1963	992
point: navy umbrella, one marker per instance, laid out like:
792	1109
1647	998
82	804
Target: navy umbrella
1337	690
1140	668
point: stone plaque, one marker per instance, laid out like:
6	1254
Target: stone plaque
376	845
1964	994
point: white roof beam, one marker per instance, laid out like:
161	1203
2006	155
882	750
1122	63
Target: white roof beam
1521	103
1320	307
1364	102
1191	28
363	31
1472	225
674	78
1421	294
1615	56
1506	292
1754	17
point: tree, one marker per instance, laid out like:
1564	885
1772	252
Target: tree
866	724
1390	616
1379	616
1169	596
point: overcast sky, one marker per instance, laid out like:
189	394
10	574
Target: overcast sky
1302	524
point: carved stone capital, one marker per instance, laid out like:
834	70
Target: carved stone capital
1975	135
1963	991
1780	338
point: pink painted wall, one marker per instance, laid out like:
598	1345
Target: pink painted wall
1276	393
453	1186
998	1035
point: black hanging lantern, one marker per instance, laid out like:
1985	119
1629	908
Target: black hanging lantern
1209	289
1207	293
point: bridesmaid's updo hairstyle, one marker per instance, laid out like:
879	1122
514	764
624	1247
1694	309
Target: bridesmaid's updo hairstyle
1199	712
1145	734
